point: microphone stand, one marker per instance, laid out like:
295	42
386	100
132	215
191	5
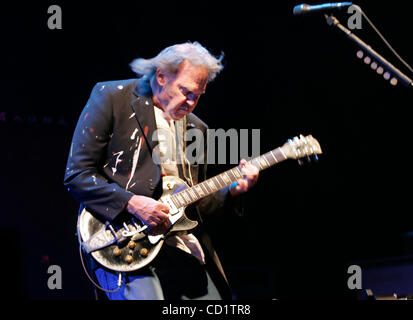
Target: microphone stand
331	20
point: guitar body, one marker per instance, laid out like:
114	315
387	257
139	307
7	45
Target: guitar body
129	248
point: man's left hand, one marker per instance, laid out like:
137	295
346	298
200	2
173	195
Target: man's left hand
250	178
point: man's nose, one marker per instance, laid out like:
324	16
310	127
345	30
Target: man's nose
190	102
192	97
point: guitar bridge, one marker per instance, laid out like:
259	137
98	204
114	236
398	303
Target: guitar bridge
128	233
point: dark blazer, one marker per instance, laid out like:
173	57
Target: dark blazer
117	116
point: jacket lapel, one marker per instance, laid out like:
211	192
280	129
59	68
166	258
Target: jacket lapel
142	106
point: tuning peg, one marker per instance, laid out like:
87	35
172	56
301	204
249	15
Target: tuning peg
294	147
307	160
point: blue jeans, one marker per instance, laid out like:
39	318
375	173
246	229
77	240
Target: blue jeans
173	275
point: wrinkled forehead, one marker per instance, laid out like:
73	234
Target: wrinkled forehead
193	77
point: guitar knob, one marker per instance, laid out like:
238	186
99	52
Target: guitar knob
143	252
117	252
128	258
132	245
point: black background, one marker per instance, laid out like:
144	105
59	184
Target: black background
284	75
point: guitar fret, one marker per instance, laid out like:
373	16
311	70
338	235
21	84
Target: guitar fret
207	183
235	173
186	196
270	159
193	194
181	200
264	161
234	177
275	158
175	201
258	160
238	170
285	157
259	164
221	180
199	190
212	185
225	178
204	185
216	178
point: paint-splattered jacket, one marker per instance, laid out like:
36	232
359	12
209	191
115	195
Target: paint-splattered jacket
101	173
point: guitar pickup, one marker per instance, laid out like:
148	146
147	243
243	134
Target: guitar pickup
166	200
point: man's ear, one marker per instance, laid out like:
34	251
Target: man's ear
161	77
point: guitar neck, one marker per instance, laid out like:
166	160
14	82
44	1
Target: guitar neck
211	185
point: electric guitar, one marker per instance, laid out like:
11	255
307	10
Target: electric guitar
129	245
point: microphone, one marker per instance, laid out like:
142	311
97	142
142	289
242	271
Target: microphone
306	8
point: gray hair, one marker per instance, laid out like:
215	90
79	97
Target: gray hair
170	58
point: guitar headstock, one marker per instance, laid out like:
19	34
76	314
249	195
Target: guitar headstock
300	147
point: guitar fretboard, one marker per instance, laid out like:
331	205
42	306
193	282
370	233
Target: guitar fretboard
211	185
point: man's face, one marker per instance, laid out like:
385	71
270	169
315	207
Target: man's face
180	92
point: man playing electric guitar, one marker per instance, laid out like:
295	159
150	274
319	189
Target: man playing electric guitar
112	173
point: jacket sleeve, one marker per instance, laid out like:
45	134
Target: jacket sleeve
84	177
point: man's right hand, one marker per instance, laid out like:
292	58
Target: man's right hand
151	212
